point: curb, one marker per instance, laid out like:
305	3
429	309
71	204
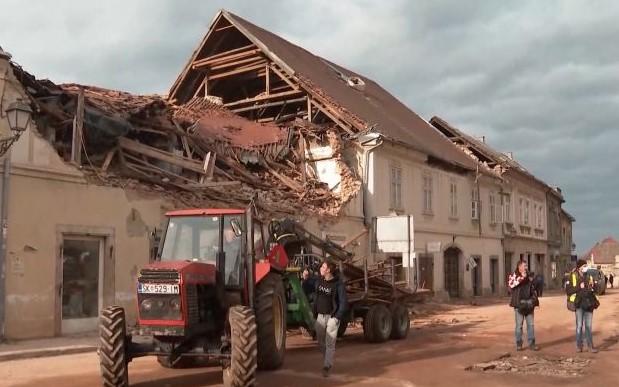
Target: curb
46	352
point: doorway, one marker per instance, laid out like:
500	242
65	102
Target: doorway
494	275
81	287
452	271
426	271
476	276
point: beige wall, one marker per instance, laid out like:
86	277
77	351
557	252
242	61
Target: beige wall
48	197
472	237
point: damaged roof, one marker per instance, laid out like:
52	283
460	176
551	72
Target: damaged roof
359	98
485	154
605	251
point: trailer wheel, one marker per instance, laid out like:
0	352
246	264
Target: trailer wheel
241	370
377	324
271	320
401	322
113	357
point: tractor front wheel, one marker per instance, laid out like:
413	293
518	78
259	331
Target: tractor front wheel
271	319
113	340
241	370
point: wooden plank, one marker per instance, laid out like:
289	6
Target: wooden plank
78	130
158	154
284	77
209	166
108	160
267	82
326	112
269	104
155	169
302	155
236	63
237	71
309	109
206	63
185	143
262	98
226	53
211	184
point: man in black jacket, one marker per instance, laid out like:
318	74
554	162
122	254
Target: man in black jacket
330	305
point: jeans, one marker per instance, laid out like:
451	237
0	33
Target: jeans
586	319
326	334
530	328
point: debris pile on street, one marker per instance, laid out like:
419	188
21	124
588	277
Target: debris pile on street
545	365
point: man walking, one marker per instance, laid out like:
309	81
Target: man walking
329	307
611	279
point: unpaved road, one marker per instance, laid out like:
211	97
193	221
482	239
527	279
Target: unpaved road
440	347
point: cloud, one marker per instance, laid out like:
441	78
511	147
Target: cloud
540	79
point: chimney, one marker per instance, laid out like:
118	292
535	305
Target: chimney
4	55
482	139
510	155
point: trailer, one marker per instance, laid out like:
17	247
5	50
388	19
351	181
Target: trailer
374	294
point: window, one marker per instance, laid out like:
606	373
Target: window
507	208
427	193
453	199
526	212
535	213
521	208
540	216
493	214
396	187
475	203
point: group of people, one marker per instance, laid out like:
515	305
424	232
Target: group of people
581	299
610	279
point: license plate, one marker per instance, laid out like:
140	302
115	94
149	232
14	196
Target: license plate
158	288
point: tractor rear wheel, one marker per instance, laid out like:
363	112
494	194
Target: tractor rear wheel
401	322
271	320
241	371
377	324
113	356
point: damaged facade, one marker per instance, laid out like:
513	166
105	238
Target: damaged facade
250	117
527	209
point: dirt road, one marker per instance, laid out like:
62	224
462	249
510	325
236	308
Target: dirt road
440	347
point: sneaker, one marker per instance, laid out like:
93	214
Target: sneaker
519	348
578	349
325	371
534	347
594	350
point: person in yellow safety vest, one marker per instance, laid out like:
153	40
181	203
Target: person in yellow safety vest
582	300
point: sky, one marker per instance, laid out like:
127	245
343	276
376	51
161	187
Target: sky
536	78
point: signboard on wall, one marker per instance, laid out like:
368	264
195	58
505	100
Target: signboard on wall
433	247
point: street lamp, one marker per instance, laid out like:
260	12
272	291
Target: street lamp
19	115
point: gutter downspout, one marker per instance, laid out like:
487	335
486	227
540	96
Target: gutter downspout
3	241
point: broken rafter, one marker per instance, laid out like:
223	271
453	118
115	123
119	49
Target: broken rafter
268	104
226	53
238	71
158	154
262	98
236	63
208	62
78	130
332	116
284	77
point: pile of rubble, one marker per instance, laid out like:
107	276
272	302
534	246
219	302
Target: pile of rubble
197	154
545	365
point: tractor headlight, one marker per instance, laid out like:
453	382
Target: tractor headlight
147	305
175	304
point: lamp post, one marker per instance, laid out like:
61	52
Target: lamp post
18	115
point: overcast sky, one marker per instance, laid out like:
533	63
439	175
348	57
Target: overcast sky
538	78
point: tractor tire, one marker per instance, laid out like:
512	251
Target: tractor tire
377	324
113	357
241	371
271	320
401	322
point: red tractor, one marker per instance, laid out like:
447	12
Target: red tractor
215	293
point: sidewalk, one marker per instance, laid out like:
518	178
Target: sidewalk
53	346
